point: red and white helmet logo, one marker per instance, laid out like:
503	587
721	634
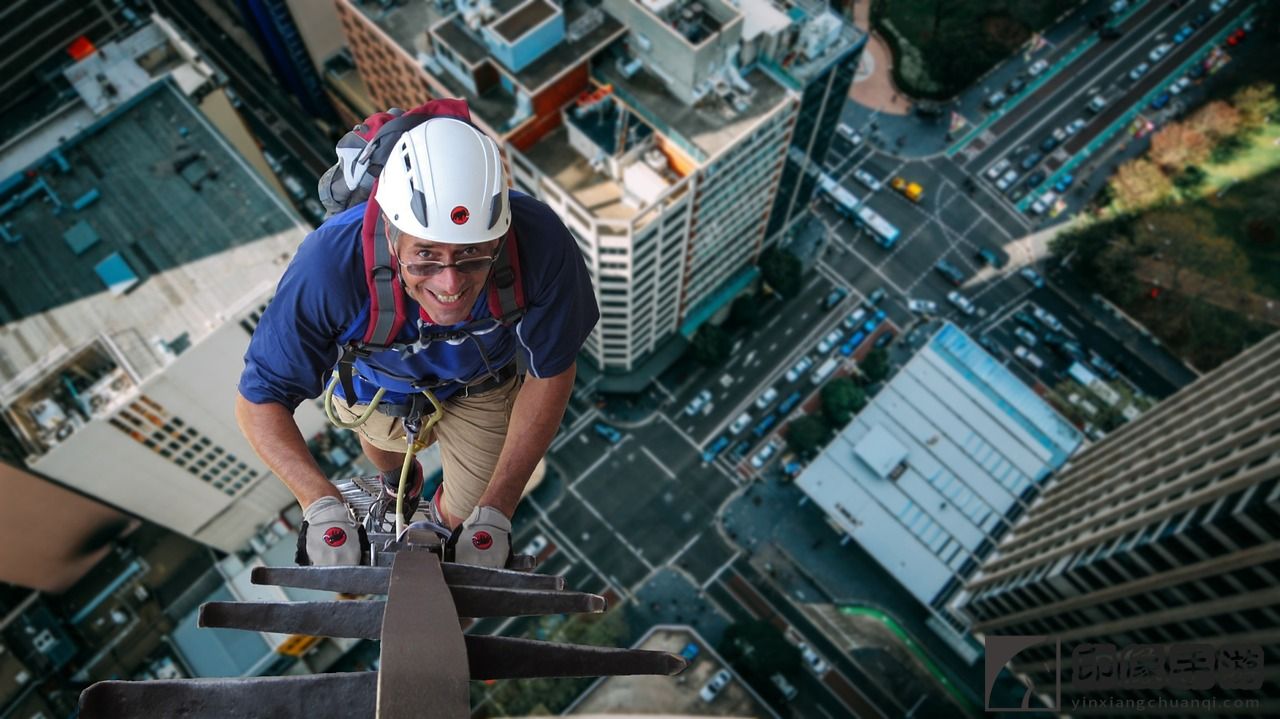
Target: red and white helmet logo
460	215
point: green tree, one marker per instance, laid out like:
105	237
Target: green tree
841	399
758	650
1190	179
781	271
745	311
1256	104
1139	183
876	365
711	346
807	435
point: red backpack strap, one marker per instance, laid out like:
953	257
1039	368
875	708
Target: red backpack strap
386	297
506	285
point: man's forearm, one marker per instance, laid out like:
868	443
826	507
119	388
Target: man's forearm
535	418
274	435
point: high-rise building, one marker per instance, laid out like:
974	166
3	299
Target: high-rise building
140	248
1165	531
657	129
273	27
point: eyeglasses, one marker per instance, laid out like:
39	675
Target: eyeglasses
469	266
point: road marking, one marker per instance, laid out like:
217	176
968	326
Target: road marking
672	560
562	540
721	570
662	466
607	454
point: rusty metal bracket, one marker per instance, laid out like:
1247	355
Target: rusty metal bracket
426	660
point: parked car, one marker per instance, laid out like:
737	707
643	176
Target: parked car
949	272
994	172
824	370
833	297
1043	203
1031	161
867	180
763	426
994	100
714	449
1038	67
815	663
988	256
1217	5
1100	363
830	341
690	652
1074	126
1159	51
1032	277
763	456
1095	104
1180	85
698	403
1034	179
789	403
712	689
1028	357
1046	318
1015	86
786	688
1026	320
962	303
799	368
923	307
767	398
1063	183
1027	336
1236	37
740	423
848	348
609	434
1007	180
884	339
1110	32
855	318
740	450
1183	33
1161	101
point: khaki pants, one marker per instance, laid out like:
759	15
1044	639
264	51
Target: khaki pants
471	434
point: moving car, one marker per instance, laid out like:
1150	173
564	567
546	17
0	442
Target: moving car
871	183
1053	140
697	403
876	295
924	307
609	434
1032	277
950	272
712	689
815	663
1028	356
911	190
1074	126
833	297
1139	71
988	256
1183	33
799	368
1159	51
1046	318
1095	104
962	303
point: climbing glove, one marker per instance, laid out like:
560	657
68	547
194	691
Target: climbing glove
329	535
483	539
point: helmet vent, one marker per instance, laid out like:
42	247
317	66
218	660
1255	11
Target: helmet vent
495	210
419	205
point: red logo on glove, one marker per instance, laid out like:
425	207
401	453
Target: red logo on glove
460	215
335	537
481	541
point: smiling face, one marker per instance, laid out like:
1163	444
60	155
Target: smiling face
448	295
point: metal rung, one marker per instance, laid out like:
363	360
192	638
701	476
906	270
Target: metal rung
362	619
374	580
314	696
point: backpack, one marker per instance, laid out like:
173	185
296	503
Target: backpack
353	179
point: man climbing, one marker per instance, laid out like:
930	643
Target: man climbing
440	229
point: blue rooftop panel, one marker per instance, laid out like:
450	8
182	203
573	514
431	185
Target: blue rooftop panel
116	274
81	237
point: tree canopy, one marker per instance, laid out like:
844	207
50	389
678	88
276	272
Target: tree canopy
876	365
711	346
781	271
807	435
841	399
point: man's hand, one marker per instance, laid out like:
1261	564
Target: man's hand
329	535
483	539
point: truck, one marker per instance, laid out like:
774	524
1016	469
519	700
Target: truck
825	370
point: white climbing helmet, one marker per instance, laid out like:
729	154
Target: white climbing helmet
444	182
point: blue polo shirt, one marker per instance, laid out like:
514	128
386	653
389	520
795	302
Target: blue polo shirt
323	301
